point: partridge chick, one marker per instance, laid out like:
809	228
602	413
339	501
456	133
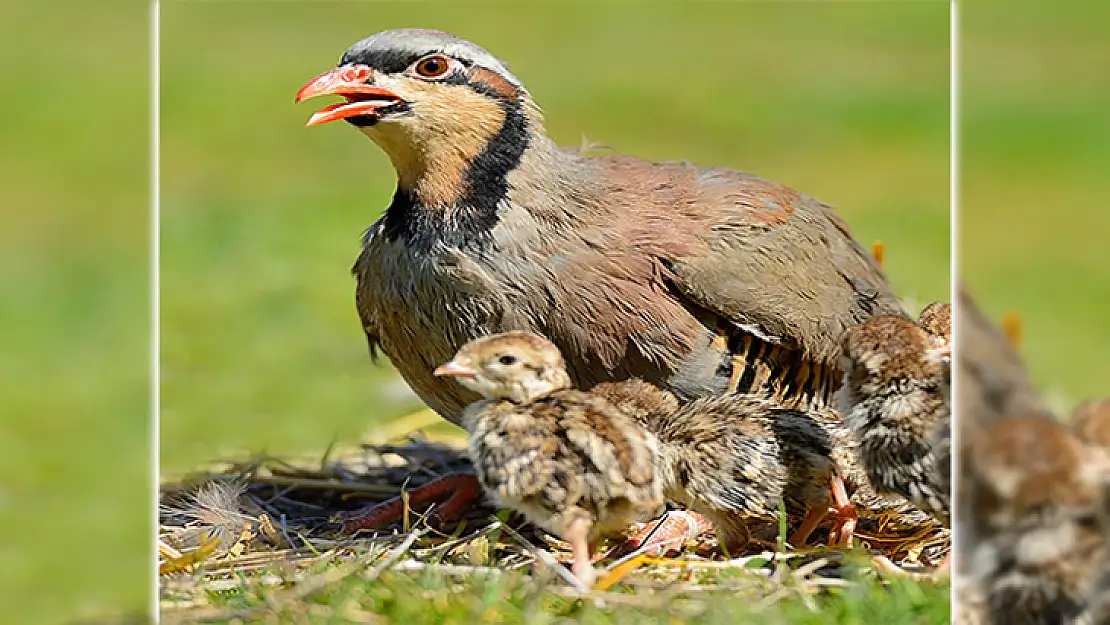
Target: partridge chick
1033	492
936	319
893	404
1091	422
734	457
569	461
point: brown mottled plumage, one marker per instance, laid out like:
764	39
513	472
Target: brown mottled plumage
570	461
1034	499
734	457
693	279
1091	422
936	319
993	385
892	402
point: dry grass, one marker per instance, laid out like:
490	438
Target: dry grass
269	525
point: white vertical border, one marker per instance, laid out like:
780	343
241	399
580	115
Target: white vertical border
954	275
155	363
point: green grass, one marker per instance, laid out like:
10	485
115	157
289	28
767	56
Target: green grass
75	432
1034	216
417	598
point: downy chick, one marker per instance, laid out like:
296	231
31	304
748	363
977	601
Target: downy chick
569	461
893	403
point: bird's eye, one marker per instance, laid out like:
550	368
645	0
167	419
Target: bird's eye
507	359
432	66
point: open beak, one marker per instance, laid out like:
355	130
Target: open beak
455	369
351	82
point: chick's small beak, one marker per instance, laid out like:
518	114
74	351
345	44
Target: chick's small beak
351	82
944	351
455	369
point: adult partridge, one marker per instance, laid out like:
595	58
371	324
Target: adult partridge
699	280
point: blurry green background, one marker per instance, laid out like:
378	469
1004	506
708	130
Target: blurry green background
261	217
75	395
1034	219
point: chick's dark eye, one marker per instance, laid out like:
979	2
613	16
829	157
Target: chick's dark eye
433	66
507	359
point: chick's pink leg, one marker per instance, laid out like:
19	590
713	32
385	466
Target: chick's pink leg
846	516
454	493
576	532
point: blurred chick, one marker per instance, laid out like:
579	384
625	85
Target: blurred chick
1033	492
994	383
1091	422
892	402
569	461
733	457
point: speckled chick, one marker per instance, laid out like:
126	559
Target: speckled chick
1033	492
731	458
1091	424
1098	608
1090	421
569	461
936	319
891	401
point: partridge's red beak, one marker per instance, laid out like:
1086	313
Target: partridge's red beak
351	82
455	369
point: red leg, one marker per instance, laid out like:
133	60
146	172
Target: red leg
813	518
454	493
846	517
665	535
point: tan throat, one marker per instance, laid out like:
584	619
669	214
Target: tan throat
433	148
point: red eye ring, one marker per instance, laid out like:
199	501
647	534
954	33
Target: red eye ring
433	66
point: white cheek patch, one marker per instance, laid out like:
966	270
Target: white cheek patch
874	363
1046	544
535	387
1005	481
480	385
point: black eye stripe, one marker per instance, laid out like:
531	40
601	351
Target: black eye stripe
392	61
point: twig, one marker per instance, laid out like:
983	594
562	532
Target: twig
447	569
308	482
547	559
